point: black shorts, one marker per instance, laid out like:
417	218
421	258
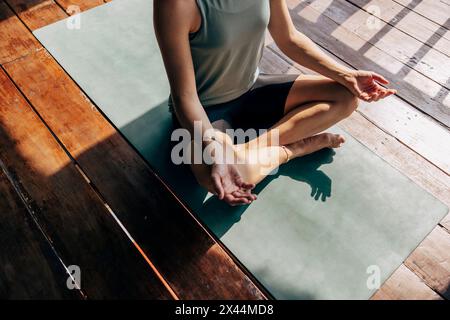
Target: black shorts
259	108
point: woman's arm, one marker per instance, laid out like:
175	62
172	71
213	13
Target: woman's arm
302	50
173	21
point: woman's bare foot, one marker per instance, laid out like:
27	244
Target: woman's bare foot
315	143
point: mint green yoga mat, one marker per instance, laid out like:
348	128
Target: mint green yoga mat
324	227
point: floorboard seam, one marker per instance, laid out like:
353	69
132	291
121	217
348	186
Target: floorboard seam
93	188
32	209
368	119
424	282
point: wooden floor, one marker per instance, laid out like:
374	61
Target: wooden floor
62	205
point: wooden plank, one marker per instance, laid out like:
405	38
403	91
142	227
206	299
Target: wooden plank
194	264
426	31
29	268
403	156
69	213
431	261
402	47
37	13
82	5
391	150
192	261
428	96
394	116
436	11
405	285
15	39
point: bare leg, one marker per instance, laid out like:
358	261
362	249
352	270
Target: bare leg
314	104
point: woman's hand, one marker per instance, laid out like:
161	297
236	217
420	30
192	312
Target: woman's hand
367	85
228	185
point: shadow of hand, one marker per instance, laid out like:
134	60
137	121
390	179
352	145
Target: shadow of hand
320	185
306	169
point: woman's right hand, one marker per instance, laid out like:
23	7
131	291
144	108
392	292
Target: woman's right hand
227	184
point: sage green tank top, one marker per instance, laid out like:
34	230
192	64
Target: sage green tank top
228	47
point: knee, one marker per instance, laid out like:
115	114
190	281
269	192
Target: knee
347	102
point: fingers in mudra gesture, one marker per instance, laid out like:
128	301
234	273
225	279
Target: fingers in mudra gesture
368	85
224	179
229	186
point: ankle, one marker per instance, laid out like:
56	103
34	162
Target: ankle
288	153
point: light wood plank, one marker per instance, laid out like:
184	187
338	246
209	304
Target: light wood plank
428	96
409	22
436	11
405	285
431	261
402	47
390	149
424	173
396	117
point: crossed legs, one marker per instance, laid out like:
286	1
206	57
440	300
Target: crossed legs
314	104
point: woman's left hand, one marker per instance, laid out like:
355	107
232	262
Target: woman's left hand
367	85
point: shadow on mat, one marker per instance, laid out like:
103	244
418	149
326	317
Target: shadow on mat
150	134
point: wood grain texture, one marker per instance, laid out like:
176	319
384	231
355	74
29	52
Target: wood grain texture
390	149
424	59
194	264
401	120
70	214
404	19
405	285
436	11
29	268
37	13
426	95
83	5
429	178
15	39
431	261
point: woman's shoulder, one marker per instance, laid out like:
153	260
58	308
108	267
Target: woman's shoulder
178	11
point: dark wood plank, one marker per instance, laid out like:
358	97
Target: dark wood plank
428	96
190	259
15	39
194	264
69	213
29	268
37	13
83	5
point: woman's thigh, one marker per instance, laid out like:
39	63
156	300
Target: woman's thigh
314	88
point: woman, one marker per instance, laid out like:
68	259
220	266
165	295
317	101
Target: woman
211	51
